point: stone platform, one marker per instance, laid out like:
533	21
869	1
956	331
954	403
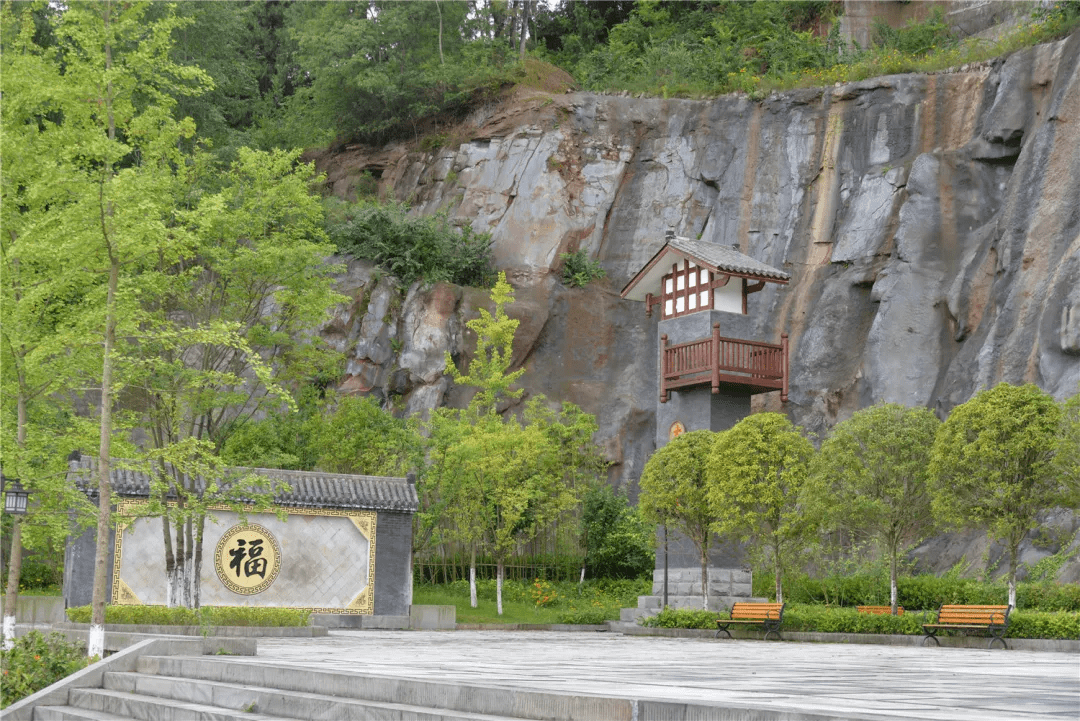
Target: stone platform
736	679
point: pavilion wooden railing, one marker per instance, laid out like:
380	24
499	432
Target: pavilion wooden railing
716	360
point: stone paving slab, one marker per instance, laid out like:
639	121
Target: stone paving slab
943	684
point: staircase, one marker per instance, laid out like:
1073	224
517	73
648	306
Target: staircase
209	688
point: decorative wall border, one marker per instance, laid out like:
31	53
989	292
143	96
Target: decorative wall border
366	523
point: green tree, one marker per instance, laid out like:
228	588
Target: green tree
377	68
109	158
233	329
675	492
35	418
617	541
361	437
871	478
489	368
756	473
502	480
993	465
1067	460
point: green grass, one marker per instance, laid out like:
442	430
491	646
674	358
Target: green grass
527	602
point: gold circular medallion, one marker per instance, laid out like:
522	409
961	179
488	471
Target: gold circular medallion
247	559
676	430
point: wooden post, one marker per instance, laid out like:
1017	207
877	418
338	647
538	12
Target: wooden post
714	358
663	368
784	361
648	305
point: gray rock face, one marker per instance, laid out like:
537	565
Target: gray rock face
931	225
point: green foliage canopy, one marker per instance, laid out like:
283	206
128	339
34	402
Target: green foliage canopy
993	465
871	477
756	473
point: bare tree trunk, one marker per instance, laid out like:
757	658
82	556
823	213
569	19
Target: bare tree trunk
96	640
442	60
11	600
499	571
524	28
1013	548
512	18
776	570
196	571
472	578
705	574
14	569
892	583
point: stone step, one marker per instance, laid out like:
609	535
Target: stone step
70	713
145	708
277	703
651	605
455	697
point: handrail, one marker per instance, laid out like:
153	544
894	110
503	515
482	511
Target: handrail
758	364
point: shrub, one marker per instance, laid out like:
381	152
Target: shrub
822	619
39	574
1039	624
579	270
412	247
801	617
923	592
37	661
205	616
589	615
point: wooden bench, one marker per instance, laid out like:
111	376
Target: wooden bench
767	616
880	610
967	619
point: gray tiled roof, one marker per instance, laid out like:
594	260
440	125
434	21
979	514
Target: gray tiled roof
725	258
309	489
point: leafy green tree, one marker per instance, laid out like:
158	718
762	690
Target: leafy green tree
993	465
377	68
234	328
675	491
109	159
361	437
502	480
1067	460
756	473
489	368
871	478
36	360
617	541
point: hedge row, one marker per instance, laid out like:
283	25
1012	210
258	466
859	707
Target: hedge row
920	592
821	619
205	616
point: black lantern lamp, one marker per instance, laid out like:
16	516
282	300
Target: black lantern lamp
14	496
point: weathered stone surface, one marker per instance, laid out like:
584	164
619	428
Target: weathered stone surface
930	224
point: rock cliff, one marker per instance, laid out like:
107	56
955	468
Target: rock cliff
931	225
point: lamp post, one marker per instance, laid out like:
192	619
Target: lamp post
15	498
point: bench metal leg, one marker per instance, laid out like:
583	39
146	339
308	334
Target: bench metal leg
725	631
998	638
931	636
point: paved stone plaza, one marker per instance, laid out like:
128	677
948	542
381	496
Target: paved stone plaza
851	681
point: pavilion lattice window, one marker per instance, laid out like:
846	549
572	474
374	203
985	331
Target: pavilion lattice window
688	289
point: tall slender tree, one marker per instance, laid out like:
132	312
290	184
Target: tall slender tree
871	478
993	466
675	491
757	471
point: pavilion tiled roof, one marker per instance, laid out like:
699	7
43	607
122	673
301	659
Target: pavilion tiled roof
718	258
308	489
